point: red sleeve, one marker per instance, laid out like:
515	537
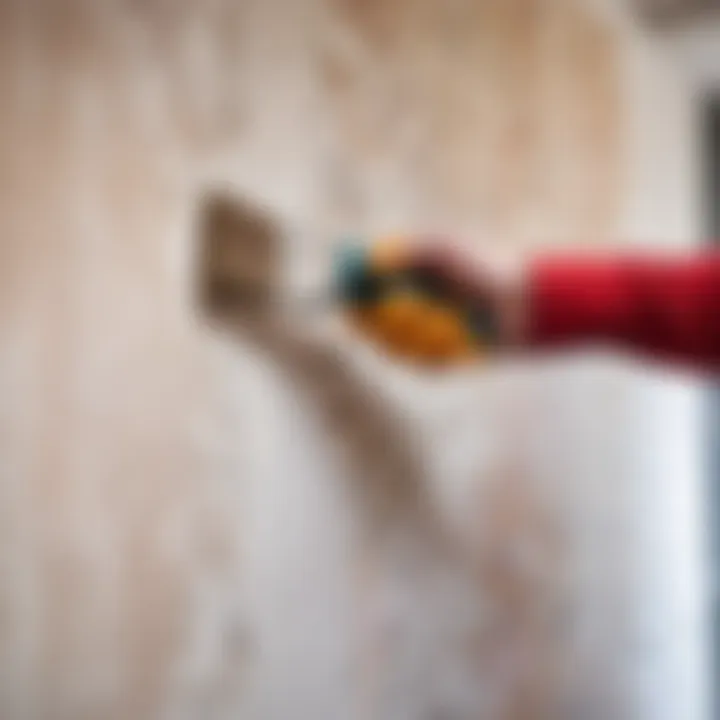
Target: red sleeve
665	308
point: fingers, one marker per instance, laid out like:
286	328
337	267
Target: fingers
465	276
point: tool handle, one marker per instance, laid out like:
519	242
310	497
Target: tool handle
411	312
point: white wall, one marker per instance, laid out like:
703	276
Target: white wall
182	535
666	214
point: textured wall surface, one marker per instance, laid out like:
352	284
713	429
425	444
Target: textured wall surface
181	535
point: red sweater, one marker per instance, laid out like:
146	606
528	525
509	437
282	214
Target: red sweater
668	309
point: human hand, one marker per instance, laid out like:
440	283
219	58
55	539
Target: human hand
442	327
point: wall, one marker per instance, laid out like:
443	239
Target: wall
180	537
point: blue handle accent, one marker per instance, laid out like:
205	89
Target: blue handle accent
355	280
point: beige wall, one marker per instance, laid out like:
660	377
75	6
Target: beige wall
181	537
